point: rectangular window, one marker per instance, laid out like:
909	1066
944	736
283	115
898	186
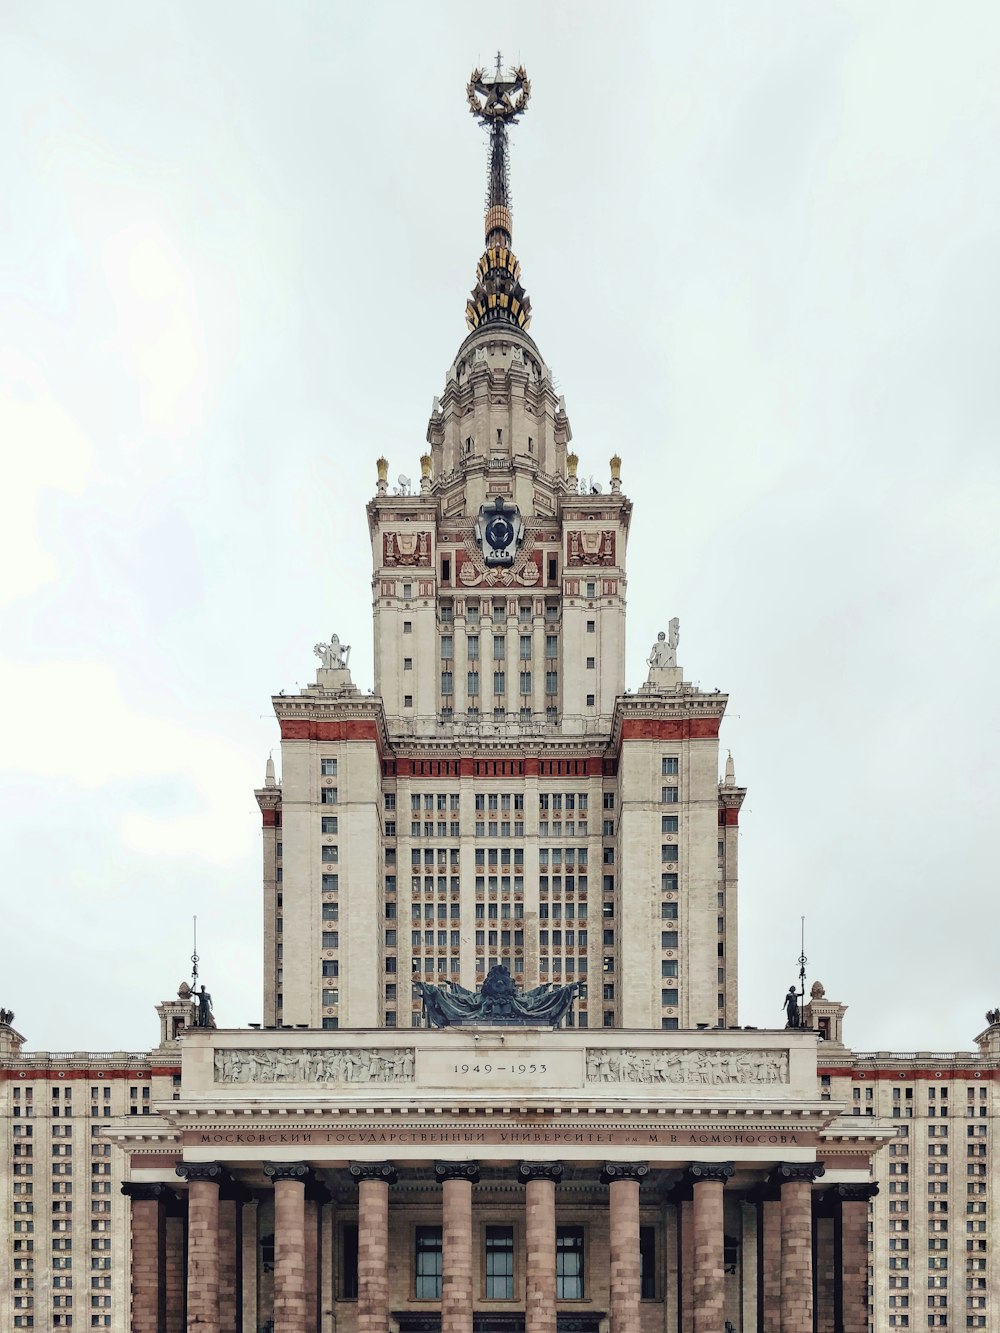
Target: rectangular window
669	795
525	649
668	997
328	824
447	646
499	682
569	1263
473	682
328	768
551	645
669	824
669	766
348	1261
427	1264
551	682
472	647
447	682
499	647
499	1263
328	796
647	1263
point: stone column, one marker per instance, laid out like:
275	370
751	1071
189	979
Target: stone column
707	1182
540	1244
767	1201
203	1179
149	1285
457	1180
623	1180
289	1244
824	1264
228	1269
795	1180
374	1179
176	1226
850	1234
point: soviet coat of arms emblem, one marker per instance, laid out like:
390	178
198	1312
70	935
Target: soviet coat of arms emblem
499	531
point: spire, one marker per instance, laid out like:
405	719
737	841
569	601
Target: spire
497	100
730	771
269	778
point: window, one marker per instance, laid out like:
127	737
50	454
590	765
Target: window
525	649
569	1263
328	795
590	700
328	824
669	795
427	1264
647	1263
551	645
472	647
349	1261
591	626
407	700
407	626
407	663
669	824
669	766
499	647
551	682
499	682
668	997
447	645
499	1263
407	590
447	682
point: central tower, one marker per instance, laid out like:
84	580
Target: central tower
501	798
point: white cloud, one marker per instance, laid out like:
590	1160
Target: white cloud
44	448
72	724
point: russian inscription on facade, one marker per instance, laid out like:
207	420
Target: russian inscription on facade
377	1065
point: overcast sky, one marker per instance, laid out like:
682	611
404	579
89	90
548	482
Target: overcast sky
761	242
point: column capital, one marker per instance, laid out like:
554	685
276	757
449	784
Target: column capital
199	1171
852	1193
612	1171
698	1172
373	1171
287	1171
540	1171
457	1171
785	1172
148	1191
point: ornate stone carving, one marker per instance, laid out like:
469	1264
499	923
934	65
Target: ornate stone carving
590	548
333	655
373	1171
406	548
786	1171
148	1191
498	1001
540	1171
699	1172
624	1171
686	1066
287	1171
198	1171
457	1171
664	650
284	1065
851	1193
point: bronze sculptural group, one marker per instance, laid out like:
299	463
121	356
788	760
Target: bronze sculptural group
497	1002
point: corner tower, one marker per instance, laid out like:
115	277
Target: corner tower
501	798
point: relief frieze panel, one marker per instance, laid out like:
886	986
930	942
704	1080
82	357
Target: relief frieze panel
377	1065
406	548
590	548
686	1066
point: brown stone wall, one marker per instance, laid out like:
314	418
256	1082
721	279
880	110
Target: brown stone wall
771	1276
289	1256
203	1257
456	1236
624	1255
147	1274
540	1243
373	1256
854	1251
796	1257
708	1293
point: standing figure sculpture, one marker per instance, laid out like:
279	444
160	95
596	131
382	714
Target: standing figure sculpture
204	1017
791	1007
664	651
333	655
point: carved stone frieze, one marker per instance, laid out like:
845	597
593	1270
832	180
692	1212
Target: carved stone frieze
590	548
686	1066
283	1065
406	548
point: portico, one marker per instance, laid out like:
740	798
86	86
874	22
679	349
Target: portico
485	1179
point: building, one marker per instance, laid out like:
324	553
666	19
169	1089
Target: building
500	800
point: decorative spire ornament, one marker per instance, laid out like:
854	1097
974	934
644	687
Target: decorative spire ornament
497	101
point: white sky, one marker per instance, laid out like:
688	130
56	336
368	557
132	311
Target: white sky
761	242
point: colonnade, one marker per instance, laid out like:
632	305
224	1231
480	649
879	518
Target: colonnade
811	1260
